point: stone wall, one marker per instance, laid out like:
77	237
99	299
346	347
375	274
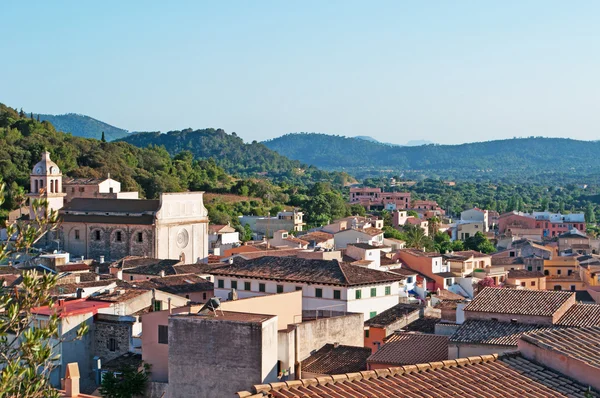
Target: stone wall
105	330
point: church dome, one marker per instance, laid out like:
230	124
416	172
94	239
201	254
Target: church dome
45	166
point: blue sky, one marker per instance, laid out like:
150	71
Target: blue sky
444	71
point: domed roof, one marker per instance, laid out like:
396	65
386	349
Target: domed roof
45	166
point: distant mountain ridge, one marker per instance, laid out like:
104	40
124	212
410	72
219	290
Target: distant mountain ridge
84	126
409	143
519	157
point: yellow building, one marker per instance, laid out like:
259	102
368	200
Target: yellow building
562	273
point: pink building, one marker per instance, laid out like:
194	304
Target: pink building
374	197
514	220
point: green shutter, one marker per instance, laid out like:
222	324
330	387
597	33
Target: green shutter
373	291
372	314
358	294
388	290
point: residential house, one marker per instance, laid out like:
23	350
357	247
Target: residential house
562	273
365	252
375	198
282	238
264	226
429	264
476	215
395	244
370	235
473	263
387	322
325	284
95	188
524	279
515	220
464	230
554	224
574	241
222	237
190	286
319	239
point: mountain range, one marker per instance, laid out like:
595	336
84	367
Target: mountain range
291	156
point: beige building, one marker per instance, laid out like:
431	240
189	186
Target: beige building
562	273
95	188
46	183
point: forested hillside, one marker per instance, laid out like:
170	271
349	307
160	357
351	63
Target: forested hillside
83	126
236	156
502	160
152	170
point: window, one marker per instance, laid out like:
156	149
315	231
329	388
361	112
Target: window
247	286
409	279
373	291
388	290
367	333
449	282
220	283
569	272
73	190
358	294
530	268
118	236
140	237
511	254
234	285
546	272
318	292
97	234
298	288
131	277
163	334
557	287
204	296
523	284
532	283
112	344
187	296
157	305
81	189
77	234
558	272
261	287
372	314
572	288
539	268
279	288
337	295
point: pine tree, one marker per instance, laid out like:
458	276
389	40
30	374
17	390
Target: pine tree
31	115
21	113
38	118
103	139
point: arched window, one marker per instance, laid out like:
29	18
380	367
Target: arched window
51	186
36	186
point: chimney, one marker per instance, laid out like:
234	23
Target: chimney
72	380
169	304
97	278
162	273
101	259
97	269
120	274
217	251
79	292
82	258
230	260
336	344
61	302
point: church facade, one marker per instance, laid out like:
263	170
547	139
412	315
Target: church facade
175	226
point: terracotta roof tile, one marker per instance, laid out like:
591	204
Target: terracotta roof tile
523	273
487	376
580	344
517	301
403	348
494	332
423	325
317	236
178	284
331	359
391	315
581	315
294	269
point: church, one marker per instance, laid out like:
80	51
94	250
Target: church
175	226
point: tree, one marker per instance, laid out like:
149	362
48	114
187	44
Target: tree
126	383
357	210
485	282
38	118
433	225
246	233
480	243
103	139
27	354
590	216
416	238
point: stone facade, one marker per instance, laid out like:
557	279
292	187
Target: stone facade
112	336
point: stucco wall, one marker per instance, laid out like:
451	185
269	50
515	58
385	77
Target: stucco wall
312	335
470	350
229	359
287	307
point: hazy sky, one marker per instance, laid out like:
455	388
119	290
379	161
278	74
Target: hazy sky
445	71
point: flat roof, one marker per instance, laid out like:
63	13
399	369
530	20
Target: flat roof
229	316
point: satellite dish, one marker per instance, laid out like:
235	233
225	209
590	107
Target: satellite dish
233	295
211	306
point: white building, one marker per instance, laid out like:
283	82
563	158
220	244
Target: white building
222	237
476	215
372	236
325	284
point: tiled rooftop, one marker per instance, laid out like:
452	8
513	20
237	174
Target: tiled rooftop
152	267
486	376
445	294
580	344
408	348
391	315
423	325
517	301
421	253
465	255
330	272
179	284
494	332
581	315
331	359
317	236
230	316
